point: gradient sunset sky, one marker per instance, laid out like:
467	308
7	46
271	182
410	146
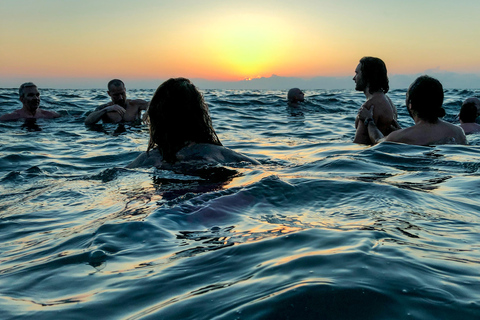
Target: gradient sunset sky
233	40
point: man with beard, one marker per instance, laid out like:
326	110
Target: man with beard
371	78
120	109
30	98
424	101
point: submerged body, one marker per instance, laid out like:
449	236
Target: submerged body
202	153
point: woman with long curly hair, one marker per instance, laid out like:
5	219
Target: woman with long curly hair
181	129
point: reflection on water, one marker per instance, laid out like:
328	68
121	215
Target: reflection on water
31	125
322	228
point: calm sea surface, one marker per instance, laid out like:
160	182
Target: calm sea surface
322	229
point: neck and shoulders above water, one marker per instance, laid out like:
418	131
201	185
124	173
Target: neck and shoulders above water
198	153
426	133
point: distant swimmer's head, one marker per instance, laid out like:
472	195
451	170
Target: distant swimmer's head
295	95
371	73
425	99
178	116
475	101
468	112
118	92
29	96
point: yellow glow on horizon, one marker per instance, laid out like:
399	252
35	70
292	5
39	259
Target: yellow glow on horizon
247	46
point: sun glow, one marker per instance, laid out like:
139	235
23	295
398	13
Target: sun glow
247	46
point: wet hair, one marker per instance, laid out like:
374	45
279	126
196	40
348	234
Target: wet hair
21	90
426	96
468	112
115	83
374	73
178	115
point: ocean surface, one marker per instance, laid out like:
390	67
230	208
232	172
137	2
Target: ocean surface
322	229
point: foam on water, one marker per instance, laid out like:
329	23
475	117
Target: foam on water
323	228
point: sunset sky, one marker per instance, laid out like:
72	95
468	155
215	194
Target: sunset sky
233	40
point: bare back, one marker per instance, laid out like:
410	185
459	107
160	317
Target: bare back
425	134
384	115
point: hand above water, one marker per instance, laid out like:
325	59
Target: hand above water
116	108
365	113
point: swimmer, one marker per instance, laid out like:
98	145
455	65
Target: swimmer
120	109
467	116
30	98
181	129
371	78
475	101
294	96
424	101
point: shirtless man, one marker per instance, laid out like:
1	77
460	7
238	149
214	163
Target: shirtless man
424	101
294	96
120	109
30	98
371	78
467	116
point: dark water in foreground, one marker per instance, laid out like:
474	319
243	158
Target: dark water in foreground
322	229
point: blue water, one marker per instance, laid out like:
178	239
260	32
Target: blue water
322	229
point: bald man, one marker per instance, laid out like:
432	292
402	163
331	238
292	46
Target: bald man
294	96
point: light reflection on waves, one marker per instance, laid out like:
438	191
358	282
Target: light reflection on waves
332	228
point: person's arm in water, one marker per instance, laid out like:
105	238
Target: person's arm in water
96	115
366	115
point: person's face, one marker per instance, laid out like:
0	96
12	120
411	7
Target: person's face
360	84
118	95
31	98
300	96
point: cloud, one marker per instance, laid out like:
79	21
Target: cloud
450	80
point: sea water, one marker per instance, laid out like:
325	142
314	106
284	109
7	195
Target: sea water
322	229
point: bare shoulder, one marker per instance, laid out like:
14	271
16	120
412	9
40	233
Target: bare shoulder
153	158
15	115
211	153
138	102
50	114
398	135
382	103
457	133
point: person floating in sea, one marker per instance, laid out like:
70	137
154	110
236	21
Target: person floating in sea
467	116
424	101
294	96
476	102
120	109
30	98
371	78
181	129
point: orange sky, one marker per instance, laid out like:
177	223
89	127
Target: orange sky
226	40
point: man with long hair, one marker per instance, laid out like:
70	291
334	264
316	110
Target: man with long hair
371	78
